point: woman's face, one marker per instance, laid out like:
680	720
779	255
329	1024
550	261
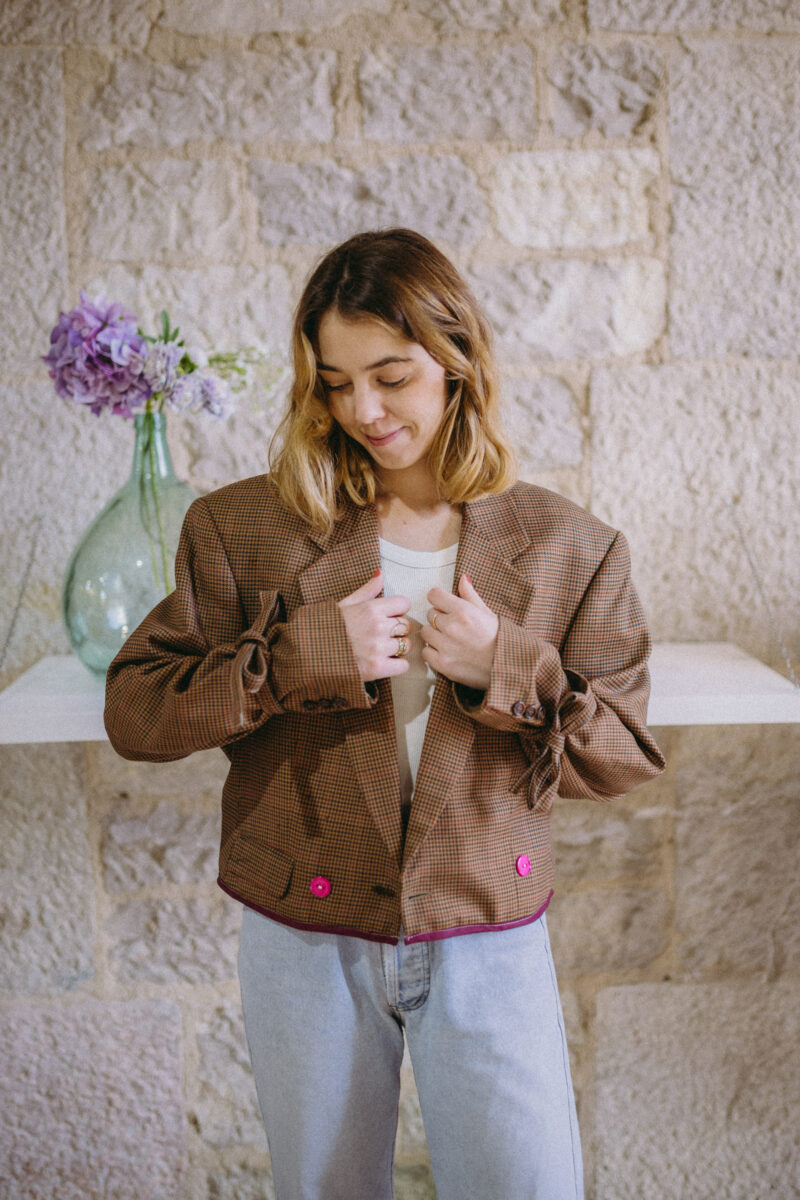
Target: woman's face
385	392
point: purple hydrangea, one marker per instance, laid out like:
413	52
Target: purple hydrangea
96	358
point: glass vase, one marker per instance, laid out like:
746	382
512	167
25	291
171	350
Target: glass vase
125	561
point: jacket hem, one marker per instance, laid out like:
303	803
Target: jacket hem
435	935
307	926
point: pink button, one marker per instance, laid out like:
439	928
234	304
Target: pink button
523	865
321	886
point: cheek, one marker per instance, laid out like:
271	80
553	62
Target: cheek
337	409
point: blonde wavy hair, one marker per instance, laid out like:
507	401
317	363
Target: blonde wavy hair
399	278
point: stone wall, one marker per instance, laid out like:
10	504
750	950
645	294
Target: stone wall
619	179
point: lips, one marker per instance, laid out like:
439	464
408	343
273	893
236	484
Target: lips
385	439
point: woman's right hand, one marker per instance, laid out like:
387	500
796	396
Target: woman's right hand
374	623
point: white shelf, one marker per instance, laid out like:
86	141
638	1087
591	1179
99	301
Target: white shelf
716	683
57	700
694	683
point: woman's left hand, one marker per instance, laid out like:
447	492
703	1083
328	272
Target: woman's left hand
460	636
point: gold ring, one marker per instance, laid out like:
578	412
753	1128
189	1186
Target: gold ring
399	629
433	622
402	648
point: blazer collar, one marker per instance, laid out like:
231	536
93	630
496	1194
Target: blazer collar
491	539
493	517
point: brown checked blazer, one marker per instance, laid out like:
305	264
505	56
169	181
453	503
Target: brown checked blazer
250	653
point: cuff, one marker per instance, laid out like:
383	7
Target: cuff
526	679
313	666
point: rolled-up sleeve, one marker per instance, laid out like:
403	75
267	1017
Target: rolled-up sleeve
581	713
196	674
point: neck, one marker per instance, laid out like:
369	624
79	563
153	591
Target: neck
414	488
412	513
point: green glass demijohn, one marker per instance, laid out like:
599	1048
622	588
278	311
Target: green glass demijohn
125	561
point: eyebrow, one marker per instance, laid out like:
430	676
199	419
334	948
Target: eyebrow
383	362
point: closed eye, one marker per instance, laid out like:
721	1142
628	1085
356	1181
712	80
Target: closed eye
387	383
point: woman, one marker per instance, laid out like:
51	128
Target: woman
405	656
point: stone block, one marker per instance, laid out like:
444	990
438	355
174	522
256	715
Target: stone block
217	457
216	307
226	1112
735	166
238	97
605	842
192	940
91	1101
201	774
153	211
322	203
612	89
683	16
81	22
241	1183
46	883
575	199
698	1091
572	309
693	462
32	223
495	15
542	419
427	93
246	18
164	845
597	931
737	857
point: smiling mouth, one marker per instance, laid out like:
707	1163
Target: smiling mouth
383	441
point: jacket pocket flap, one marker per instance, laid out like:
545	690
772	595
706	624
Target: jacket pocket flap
256	867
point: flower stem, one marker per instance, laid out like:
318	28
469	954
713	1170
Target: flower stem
162	537
149	495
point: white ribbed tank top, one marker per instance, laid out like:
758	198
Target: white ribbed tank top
413	573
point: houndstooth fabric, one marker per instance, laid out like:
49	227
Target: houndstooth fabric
250	653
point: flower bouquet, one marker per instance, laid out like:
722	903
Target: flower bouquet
124	563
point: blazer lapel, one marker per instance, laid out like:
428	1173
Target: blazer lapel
491	538
350	555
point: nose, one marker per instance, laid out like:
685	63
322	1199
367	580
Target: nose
368	405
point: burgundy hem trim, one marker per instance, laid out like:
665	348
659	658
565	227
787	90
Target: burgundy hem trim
436	935
305	925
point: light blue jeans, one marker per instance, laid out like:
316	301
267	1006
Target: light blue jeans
325	1017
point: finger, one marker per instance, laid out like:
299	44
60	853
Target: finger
399	647
394	666
430	655
430	636
392	606
368	591
466	590
401	628
435	618
444	601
